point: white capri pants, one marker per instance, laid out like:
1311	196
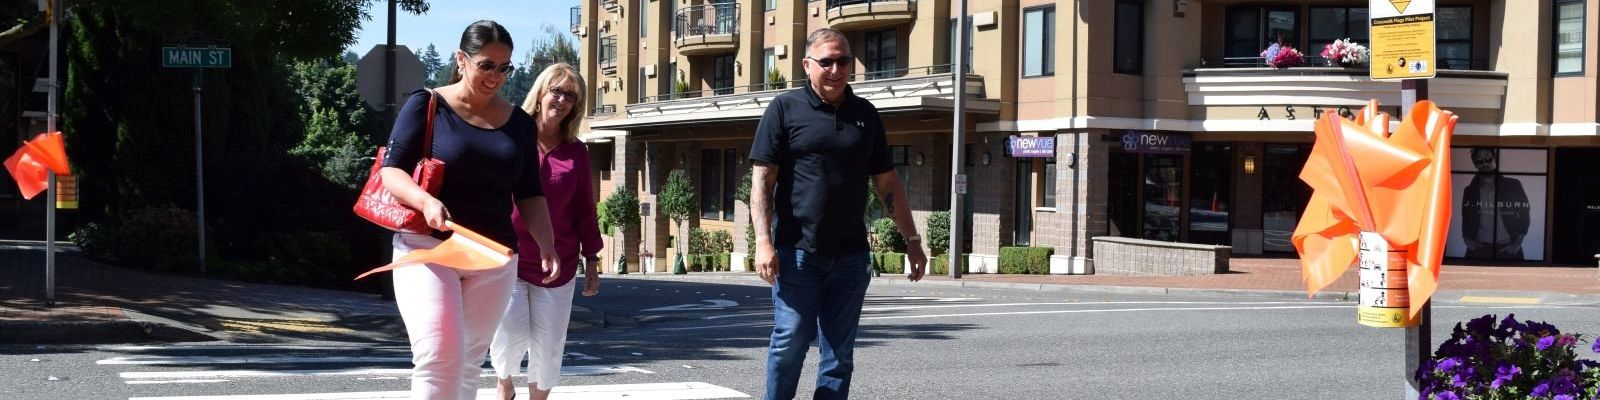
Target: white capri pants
535	323
450	316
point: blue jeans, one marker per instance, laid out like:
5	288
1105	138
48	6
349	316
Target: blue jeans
815	295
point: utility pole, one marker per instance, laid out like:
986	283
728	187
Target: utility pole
958	179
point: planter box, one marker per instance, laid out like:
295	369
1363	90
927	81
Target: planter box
1128	256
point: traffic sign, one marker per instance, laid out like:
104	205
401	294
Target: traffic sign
1402	33
196	57
408	75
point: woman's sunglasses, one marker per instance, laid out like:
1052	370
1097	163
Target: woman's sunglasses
562	95
843	61
503	69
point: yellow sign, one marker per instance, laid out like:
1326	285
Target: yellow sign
1403	45
67	192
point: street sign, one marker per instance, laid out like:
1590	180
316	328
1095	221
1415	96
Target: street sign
196	57
1402	33
408	75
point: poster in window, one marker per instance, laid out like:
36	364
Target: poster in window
1497	217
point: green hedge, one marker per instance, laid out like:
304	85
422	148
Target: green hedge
707	262
940	265
885	237
889	262
1025	260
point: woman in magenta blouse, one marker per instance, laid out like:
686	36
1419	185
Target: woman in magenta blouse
536	319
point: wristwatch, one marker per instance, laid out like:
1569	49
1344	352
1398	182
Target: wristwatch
914	238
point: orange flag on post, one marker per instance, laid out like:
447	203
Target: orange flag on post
31	164
464	250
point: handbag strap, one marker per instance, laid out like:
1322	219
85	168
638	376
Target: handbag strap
427	135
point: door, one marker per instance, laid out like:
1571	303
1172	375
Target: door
1022	234
1163	192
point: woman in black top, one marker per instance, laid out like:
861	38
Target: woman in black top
487	146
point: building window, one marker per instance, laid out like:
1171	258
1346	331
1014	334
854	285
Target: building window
608	52
1251	29
772	5
722	74
665	79
882	55
1129	56
710	179
1047	191
1453	25
951	49
1328	24
644	18
730	181
1569	37
1210	193
769	63
1038	41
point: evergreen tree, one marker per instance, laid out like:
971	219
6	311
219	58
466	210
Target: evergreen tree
431	65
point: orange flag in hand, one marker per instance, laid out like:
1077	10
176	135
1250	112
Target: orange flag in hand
31	164
465	250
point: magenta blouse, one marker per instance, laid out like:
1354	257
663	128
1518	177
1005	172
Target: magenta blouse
564	175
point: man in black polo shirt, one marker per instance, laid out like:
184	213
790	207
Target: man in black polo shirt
813	149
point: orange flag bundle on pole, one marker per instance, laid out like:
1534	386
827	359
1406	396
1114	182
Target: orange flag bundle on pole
31	164
465	249
1367	179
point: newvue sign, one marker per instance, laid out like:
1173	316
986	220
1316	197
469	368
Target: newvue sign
1155	142
1031	147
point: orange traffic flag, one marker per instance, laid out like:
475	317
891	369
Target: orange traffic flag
464	250
30	164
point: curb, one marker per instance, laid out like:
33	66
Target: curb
128	330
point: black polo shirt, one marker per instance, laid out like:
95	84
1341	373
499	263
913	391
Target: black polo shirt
824	156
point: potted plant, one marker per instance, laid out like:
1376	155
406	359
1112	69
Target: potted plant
1345	53
775	79
677	202
1509	360
1282	55
620	210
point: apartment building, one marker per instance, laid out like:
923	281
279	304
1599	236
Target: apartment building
1154	119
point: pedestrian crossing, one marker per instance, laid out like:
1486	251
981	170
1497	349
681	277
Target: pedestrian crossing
241	371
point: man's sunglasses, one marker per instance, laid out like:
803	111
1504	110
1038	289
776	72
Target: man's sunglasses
843	61
503	69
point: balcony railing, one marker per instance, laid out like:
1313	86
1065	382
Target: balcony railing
608	52
706	29
576	19
858	14
856	78
603	109
1463	64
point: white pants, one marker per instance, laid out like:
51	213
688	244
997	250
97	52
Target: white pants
450	316
535	323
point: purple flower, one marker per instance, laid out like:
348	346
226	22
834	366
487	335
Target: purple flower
1449	364
1596	346
1563	397
1459	380
1447	395
1481	326
1505	374
1508	326
1540	328
1545	342
1541	390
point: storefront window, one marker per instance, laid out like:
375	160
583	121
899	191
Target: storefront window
1163	189
1285	195
1210	193
710	176
1500	196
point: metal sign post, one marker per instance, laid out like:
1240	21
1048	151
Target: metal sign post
958	180
198	58
50	126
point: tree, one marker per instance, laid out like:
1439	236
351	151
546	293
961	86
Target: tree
431	65
553	47
677	202
351	58
622	212
338	122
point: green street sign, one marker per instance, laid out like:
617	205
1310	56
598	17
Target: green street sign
196	57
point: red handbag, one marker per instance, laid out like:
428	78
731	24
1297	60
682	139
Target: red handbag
376	204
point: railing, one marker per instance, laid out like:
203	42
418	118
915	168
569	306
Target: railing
577	18
608	52
835	5
611	5
603	109
708	19
789	84
1317	61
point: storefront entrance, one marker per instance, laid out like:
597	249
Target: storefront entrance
1577	209
1165	188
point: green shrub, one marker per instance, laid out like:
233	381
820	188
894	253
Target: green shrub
886	237
721	242
95	239
939	232
160	238
889	262
940	265
1025	260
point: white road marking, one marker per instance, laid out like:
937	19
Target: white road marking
864	318
212	376
650	391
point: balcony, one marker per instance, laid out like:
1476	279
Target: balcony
922	89
707	29
1464	64
867	14
576	19
1236	98
611	5
608	55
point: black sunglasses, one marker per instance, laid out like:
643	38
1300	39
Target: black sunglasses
843	61
503	69
562	95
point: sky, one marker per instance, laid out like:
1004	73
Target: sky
445	20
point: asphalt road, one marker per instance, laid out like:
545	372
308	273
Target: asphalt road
706	340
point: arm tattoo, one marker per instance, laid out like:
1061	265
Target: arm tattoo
888	202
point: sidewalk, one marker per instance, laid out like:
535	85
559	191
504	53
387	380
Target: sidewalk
99	303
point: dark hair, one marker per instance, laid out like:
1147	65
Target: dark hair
477	35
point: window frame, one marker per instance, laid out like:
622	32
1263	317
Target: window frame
1472	22
1138	44
1047	66
1583	43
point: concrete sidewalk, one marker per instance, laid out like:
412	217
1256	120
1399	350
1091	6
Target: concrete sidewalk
96	303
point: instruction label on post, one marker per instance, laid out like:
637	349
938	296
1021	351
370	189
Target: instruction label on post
1384	300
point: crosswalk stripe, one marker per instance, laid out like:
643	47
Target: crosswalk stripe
641	391
147	377
176	360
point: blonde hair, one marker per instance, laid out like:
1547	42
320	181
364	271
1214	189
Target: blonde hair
552	75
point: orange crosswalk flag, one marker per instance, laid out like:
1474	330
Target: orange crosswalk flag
31	164
465	250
